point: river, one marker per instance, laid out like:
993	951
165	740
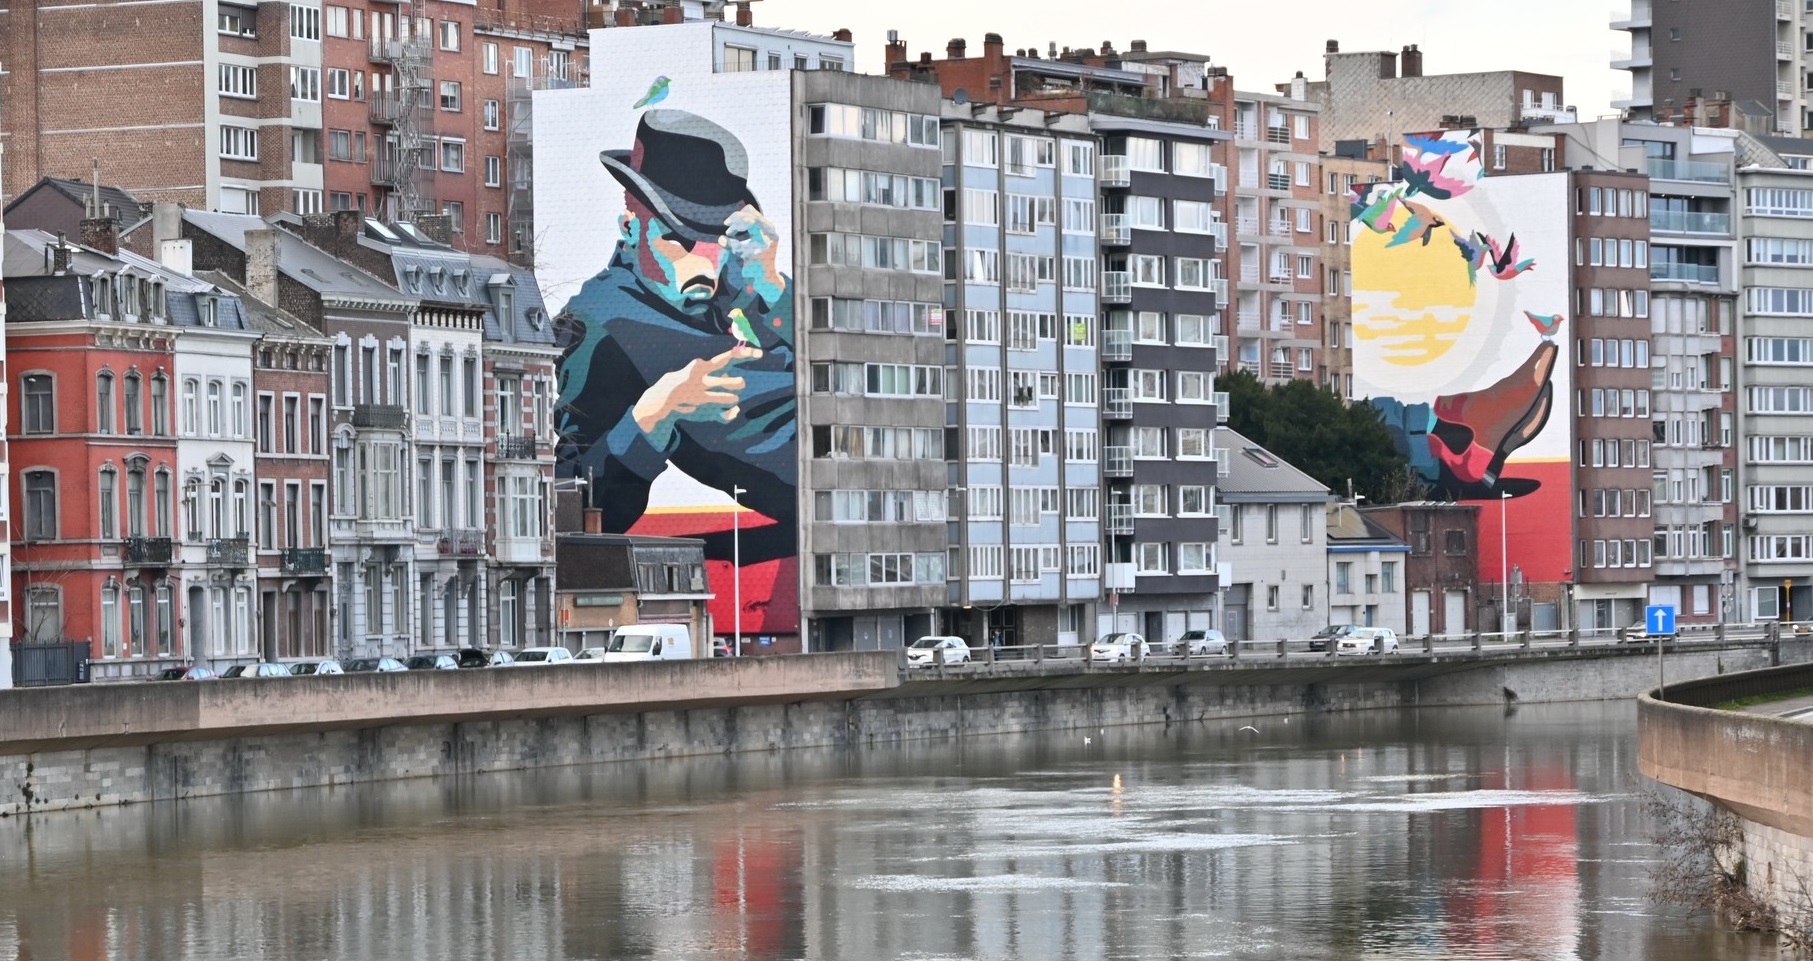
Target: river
1451	834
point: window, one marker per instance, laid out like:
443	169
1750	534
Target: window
522	61
238	81
236	20
1151	558
40	505
305	83
339	84
738	59
453	156
1145	153
238	143
450	95
450	35
494	227
493	115
487	55
494	171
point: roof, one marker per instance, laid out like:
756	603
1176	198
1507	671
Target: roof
260	316
301	261
529	323
1351	530
125	205
45	296
1256	475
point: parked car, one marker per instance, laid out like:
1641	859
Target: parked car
721	648
433	662
1201	643
650	642
261	669
1638	633
592	655
537	656
1119	647
1368	640
374	665
473	657
192	673
1327	638
937	650
323	666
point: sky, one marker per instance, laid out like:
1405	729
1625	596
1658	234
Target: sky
1262	44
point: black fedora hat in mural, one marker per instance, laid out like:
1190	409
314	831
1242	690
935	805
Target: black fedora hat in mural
691	172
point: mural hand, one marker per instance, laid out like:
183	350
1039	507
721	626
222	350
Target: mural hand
703	390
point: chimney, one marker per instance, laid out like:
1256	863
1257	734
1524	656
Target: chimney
594	520
1388	66
745	15
1107	48
1138	46
348	224
101	233
166	222
673	12
896	50
261	264
843	34
1332	46
1411	62
954	49
925	57
993	46
438	227
626	16
178	255
59	255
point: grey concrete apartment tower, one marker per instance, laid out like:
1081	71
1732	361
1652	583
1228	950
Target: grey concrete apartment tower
871	364
1752	53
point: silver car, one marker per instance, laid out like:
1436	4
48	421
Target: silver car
1201	644
316	668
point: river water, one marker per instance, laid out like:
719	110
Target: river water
1451	834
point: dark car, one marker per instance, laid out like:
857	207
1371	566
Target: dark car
473	657
194	673
433	662
1327	638
374	665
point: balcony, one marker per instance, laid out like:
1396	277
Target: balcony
1221	407
388	108
1635	58
1117	287
229	551
518	446
1277	181
1117	345
1117	403
379	416
1686	273
1223	465
1689	171
1115	231
1220	286
1119	520
305	560
1249	272
1281	228
1218	229
1246	226
1784	91
467	543
1250	367
149	551
1784	10
1247	318
1117	462
1246	130
1221	347
386	173
1784	51
1219	174
1638	17
1111	170
1690	222
1277	134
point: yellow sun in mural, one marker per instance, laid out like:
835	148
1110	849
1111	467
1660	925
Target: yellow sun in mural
1421	302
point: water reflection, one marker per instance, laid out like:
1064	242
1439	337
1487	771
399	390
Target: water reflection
1432	834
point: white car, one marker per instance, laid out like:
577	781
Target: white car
1119	647
316	668
1200	644
1368	640
940	651
592	655
537	656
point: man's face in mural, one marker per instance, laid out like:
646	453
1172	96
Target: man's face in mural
684	272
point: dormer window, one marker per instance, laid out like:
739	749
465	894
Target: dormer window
210	311
462	281
413	276
438	275
506	306
538	318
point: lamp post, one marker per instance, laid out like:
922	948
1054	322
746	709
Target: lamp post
1504	566
736	566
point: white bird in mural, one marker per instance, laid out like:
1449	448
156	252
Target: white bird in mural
1249	727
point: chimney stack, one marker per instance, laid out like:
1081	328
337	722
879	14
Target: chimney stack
925	57
745	15
1332	46
261	265
843	34
437	227
673	12
1138	46
954	49
101	233
625	16
1388	66
594	520
1107	48
1411	62
896	50
59	255
993	47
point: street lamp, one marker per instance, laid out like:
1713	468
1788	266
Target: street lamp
1504	566
736	565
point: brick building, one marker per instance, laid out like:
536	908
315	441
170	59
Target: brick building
6	550
1441	577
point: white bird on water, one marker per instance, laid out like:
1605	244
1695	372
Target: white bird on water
1249	727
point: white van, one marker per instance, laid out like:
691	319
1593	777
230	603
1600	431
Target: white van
650	642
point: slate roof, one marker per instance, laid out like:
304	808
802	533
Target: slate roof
301	261
125	205
1349	528
1256	475
44	296
530	325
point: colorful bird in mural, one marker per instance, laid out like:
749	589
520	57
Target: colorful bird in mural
1472	253
1504	264
1420	225
1436	145
1428	175
657	92
1545	324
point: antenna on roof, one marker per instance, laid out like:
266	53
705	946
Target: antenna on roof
94	187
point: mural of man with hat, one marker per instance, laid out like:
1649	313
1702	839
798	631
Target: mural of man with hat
681	351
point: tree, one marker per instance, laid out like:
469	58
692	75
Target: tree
1317	432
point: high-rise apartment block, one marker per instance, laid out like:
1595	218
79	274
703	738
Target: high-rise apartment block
1747	53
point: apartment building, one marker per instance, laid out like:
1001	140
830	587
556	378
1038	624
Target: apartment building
1441	578
94	338
1022	232
1366	570
1276	545
1349	169
6	540
1375	96
1752	52
225	110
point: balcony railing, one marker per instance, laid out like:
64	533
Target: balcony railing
1249	273
1690	222
1221	347
1278	181
1247	318
1277	134
150	551
1693	171
1111	170
304	560
1246	226
523	446
1117	286
1120	519
385	172
382	416
1115	231
1218	229
465	543
1688	273
1783	50
1117	461
1117	403
1222	464
1246	130
1219	174
1117	345
1220	286
229	551
1281	228
1221	407
388	108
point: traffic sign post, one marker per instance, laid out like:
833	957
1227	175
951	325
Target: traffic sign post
1659	623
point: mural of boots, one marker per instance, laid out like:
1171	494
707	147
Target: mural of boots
1459	443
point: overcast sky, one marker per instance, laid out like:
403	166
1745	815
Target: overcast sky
1261	43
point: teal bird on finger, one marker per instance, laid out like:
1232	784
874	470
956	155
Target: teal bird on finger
657	92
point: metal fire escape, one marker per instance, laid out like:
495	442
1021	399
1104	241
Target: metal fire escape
405	163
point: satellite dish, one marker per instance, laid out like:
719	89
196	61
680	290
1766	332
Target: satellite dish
960	96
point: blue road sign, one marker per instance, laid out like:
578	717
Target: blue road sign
1659	620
